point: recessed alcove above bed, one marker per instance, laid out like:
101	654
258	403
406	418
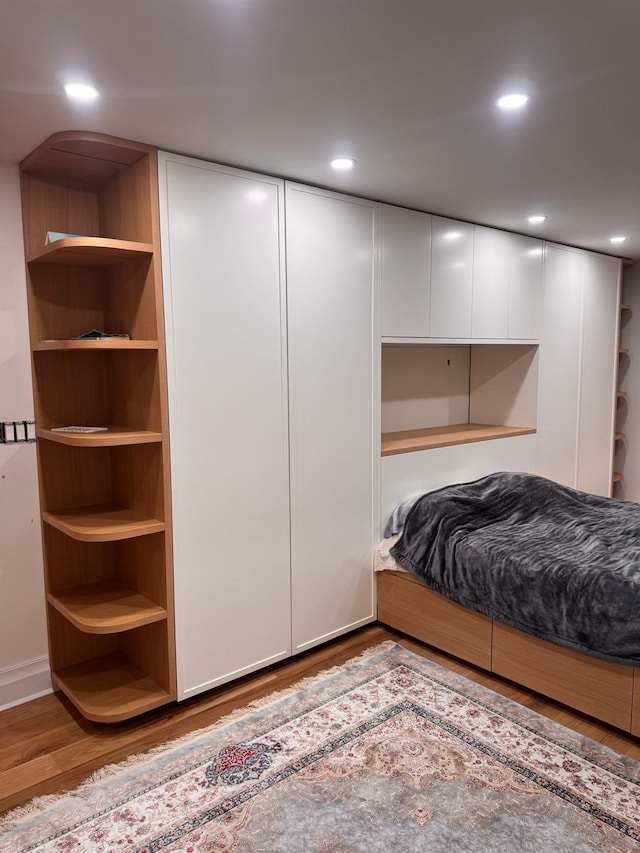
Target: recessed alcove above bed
442	395
453	412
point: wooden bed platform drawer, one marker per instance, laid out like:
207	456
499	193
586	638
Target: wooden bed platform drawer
409	606
599	688
635	717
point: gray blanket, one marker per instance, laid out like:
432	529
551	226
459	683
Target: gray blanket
554	562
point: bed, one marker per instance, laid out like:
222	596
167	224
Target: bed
528	579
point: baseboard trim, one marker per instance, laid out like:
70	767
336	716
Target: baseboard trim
23	682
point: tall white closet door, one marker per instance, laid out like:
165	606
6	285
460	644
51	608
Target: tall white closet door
558	389
598	374
330	283
222	243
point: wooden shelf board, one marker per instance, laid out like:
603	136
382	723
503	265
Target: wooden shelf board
111	437
619	436
106	608
404	341
623	351
83	156
110	689
109	344
625	306
621	395
412	440
617	477
90	252
103	523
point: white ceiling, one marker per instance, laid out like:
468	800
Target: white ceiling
407	87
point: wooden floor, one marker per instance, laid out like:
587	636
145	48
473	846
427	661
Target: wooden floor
47	747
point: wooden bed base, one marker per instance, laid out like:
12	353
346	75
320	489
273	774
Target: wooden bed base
607	691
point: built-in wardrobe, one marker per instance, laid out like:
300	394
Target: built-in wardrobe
272	374
326	358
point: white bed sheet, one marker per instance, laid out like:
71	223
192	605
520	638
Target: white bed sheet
382	560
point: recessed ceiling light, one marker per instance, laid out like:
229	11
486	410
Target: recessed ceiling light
81	91
536	220
514	101
617	239
343	164
452	235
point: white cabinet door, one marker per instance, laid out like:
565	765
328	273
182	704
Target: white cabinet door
330	282
525	288
224	294
558	391
598	374
405	272
451	278
490	306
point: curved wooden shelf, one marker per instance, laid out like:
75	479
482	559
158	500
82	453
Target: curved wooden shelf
619	436
623	351
617	477
110	689
106	608
95	346
102	523
621	395
114	436
90	252
409	441
624	306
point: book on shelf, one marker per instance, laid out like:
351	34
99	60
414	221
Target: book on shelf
79	429
97	335
54	236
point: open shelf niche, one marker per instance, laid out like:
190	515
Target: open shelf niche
104	495
443	395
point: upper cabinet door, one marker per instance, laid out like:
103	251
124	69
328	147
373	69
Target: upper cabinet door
525	288
451	278
490	312
330	284
406	272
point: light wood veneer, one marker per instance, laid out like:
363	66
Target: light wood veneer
607	691
104	497
408	441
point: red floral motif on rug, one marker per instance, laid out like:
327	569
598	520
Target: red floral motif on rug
389	752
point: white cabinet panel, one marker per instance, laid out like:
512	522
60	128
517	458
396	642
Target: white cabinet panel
451	278
525	288
409	474
405	272
228	418
598	373
490	311
330	282
558	391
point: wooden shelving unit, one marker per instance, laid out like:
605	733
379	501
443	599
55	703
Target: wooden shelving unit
408	441
105	499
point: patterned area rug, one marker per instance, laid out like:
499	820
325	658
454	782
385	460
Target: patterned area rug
389	752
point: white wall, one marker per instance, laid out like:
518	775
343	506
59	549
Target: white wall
424	386
24	666
627	457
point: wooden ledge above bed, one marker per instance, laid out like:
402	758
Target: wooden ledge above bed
411	440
